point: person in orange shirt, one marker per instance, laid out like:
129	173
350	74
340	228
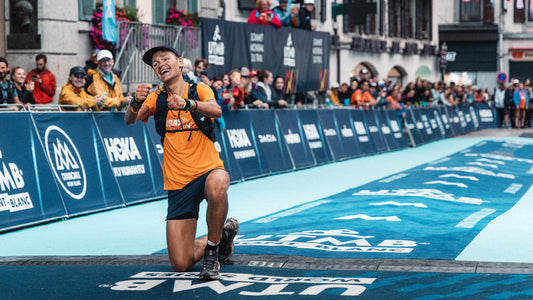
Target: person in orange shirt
192	168
362	98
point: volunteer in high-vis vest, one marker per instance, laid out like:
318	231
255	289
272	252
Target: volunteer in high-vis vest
192	168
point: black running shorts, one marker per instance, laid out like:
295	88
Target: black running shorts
185	203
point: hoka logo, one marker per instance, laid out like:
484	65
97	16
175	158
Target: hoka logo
122	149
63	157
238	138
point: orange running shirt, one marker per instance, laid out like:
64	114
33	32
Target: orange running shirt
187	154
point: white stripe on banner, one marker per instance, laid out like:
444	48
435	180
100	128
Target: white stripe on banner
422	205
447	183
513	188
459	176
473	219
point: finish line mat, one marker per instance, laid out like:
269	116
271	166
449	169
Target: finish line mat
237	282
432	211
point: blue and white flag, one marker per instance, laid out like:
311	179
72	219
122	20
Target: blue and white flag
109	22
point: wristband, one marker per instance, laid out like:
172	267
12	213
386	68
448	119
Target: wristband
188	105
135	104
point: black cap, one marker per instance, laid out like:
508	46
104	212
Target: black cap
77	70
147	57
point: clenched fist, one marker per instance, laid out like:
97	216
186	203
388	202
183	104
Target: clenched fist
142	92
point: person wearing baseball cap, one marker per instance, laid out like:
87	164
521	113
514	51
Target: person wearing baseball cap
192	168
102	82
73	92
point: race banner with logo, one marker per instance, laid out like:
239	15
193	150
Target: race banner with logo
485	115
396	128
28	192
385	129
132	156
289	124
330	129
230	163
374	131
414	128
270	143
446	121
314	136
156	139
241	144
300	56
362	133
79	161
347	136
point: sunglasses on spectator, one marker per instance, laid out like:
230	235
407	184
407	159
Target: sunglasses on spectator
79	76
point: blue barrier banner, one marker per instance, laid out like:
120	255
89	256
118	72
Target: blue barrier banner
430	125
475	116
315	136
362	133
230	163
267	137
395	126
485	115
458	121
469	119
411	126
131	153
293	135
446	121
155	138
374	131
349	142
78	160
241	145
385	128
331	132
423	126
28	192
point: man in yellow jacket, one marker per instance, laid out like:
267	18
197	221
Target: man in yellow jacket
72	93
104	83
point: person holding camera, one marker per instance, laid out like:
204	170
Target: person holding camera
263	15
44	81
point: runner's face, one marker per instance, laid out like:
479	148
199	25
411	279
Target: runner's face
3	70
166	65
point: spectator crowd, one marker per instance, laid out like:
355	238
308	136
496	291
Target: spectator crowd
96	86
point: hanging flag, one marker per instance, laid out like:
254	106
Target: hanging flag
109	22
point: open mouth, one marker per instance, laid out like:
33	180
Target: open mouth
164	72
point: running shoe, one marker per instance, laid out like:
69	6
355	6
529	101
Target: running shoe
226	247
211	266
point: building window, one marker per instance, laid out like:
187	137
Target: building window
85	9
159	8
401	18
360	20
423	20
519	11
470	11
530	11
